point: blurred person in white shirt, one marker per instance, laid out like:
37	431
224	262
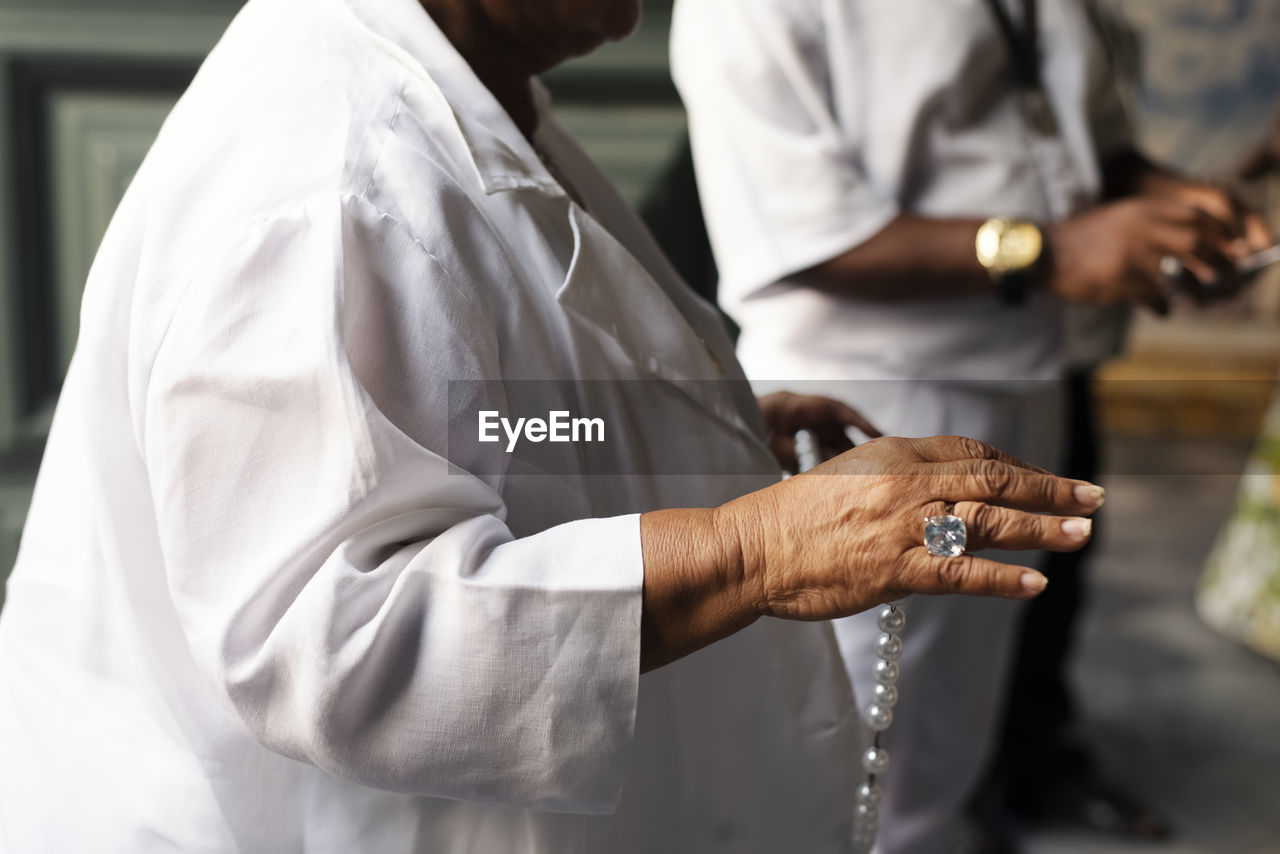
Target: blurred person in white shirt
902	199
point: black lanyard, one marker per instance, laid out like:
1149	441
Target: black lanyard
1024	57
1024	45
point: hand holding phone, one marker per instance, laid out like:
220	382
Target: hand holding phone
1224	286
1251	264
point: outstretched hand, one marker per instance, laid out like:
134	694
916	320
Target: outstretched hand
848	536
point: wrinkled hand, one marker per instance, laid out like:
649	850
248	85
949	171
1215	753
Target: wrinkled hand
1113	253
785	414
849	534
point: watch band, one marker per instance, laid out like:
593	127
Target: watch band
1014	286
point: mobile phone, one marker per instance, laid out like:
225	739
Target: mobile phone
1224	286
1251	264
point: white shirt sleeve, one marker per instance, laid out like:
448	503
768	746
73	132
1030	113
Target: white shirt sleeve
354	602
779	173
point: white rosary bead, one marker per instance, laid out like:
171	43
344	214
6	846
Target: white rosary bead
889	647
878	717
886	672
875	760
892	619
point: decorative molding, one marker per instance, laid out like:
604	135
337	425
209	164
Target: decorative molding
99	32
635	71
49	58
632	144
14	499
98	141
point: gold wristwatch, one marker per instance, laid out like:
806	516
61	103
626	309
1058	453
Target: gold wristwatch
1013	252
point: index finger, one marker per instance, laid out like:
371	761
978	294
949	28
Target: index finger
950	449
1004	485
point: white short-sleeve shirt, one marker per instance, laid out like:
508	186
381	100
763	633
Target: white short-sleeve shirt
815	122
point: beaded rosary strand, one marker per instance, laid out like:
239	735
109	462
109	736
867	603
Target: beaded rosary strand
878	715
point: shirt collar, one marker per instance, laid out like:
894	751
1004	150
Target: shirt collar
503	158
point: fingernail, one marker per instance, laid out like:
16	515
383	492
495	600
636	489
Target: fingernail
1033	582
1090	495
1077	528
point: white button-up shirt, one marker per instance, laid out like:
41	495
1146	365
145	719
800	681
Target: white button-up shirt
271	599
815	122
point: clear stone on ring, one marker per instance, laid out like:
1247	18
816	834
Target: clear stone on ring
945	536
868	794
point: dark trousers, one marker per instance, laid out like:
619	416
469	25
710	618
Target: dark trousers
1037	746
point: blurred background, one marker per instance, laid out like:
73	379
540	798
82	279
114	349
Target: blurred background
1187	714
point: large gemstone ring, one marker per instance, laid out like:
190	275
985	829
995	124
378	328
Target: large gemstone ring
945	536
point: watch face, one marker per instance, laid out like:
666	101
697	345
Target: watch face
1003	245
1021	246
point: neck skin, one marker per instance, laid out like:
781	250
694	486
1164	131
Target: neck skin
497	61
